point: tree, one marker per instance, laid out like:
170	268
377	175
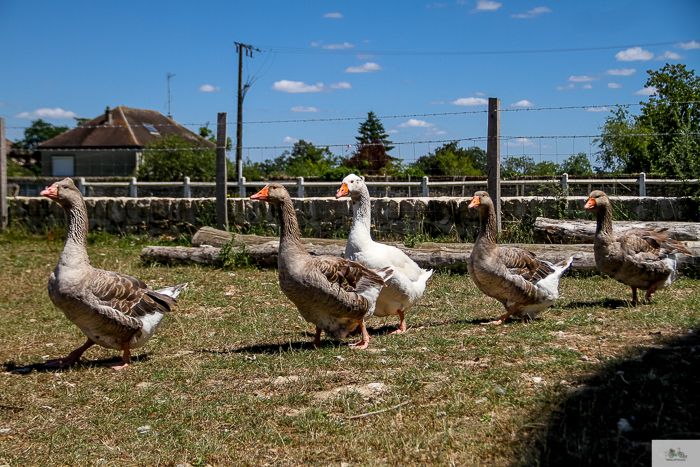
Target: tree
663	138
173	158
514	166
372	132
450	159
577	165
304	160
672	115
370	158
37	133
23	153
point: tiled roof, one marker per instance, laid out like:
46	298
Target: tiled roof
127	129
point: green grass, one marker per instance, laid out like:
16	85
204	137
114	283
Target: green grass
231	377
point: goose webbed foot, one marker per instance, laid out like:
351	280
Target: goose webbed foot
124	362
502	318
402	325
364	342
317	338
72	357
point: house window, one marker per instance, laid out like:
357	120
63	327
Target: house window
63	166
151	128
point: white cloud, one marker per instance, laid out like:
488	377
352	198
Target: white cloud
436	5
646	91
56	113
587	86
209	88
523	103
582	79
520	142
289	139
688	45
297	86
479	94
532	13
369	67
668	55
470	101
364	56
565	88
316	44
301	108
487	5
614	85
436	102
333	15
4	104
621	72
597	109
413	123
344	45
440	132
634	54
341	85
393	132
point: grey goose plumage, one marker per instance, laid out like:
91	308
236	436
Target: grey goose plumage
524	284
113	310
333	293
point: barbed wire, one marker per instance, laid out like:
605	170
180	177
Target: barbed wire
339	119
393	143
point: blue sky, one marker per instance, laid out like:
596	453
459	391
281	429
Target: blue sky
425	68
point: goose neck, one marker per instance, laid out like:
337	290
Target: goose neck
487	227
361	216
604	218
289	227
75	249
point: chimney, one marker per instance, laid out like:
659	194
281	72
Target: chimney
108	116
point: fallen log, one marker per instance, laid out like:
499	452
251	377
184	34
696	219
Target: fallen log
580	231
443	256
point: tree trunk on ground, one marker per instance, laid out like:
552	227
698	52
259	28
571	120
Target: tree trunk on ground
578	231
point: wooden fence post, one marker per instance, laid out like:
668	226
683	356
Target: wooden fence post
3	177
221	176
493	156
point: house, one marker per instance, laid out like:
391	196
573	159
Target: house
111	144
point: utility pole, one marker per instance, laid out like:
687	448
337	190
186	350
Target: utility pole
170	75
3	177
221	178
242	89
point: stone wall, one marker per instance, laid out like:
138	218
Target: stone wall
325	217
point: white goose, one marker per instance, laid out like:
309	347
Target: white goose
113	310
407	285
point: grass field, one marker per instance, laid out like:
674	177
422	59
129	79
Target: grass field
231	377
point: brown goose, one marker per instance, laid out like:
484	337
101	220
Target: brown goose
113	310
641	258
333	293
515	277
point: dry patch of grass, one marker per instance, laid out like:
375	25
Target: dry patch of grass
232	379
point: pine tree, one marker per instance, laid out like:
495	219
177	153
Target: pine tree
372	130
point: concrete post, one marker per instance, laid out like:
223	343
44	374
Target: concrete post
81	185
300	187
186	193
565	184
133	189
642	184
241	187
221	176
426	191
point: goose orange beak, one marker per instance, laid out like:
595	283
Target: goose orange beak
342	191
475	202
261	195
50	192
590	204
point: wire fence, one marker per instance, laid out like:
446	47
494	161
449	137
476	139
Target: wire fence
122	161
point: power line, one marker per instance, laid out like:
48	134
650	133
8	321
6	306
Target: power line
348	51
